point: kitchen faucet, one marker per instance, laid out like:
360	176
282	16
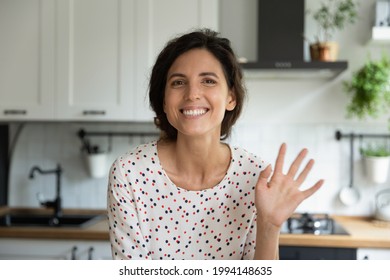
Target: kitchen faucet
56	203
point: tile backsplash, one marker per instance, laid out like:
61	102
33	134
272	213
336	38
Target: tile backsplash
46	144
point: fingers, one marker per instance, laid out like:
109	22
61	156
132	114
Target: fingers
294	166
297	163
280	159
305	172
313	189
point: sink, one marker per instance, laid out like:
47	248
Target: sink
45	220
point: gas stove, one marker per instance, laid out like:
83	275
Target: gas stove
317	224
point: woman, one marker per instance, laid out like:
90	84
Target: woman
189	195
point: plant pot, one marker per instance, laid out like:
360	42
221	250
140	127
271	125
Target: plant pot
377	168
326	51
96	165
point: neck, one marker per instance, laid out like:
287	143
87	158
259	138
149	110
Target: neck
196	163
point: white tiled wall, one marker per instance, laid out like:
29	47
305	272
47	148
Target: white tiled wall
48	144
332	160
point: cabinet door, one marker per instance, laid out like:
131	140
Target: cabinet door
158	21
26	59
373	254
29	249
316	253
95	74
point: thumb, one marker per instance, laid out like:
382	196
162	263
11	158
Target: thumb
265	174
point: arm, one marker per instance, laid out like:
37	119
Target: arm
276	200
126	238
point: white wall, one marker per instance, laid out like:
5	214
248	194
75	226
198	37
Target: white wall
302	112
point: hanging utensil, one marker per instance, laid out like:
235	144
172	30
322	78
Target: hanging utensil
350	195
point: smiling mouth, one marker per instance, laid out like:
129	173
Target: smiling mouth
194	112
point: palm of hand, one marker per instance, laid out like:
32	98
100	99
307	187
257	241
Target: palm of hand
277	197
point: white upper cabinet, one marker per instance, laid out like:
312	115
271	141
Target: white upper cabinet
26	59
88	60
95	75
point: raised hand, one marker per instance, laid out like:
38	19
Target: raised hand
278	197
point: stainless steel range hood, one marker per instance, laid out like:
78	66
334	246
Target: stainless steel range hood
268	36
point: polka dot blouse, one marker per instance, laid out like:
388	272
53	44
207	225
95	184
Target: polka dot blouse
152	218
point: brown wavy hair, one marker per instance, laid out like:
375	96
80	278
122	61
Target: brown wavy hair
222	50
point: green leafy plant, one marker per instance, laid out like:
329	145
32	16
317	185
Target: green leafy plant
375	151
333	15
369	89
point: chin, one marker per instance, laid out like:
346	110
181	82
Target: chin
199	134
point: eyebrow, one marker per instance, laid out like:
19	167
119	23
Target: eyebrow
201	74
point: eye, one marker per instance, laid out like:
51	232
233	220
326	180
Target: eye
209	82
177	83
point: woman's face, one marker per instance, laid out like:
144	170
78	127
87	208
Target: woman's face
196	94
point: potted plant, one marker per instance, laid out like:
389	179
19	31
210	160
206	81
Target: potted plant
369	89
331	16
376	162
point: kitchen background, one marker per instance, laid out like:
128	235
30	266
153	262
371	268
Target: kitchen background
302	110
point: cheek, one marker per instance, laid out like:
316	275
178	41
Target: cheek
166	102
169	107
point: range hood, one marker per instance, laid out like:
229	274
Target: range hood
294	69
280	43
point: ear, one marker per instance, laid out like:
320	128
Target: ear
231	101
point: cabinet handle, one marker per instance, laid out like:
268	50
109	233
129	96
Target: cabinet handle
282	64
94	112
90	253
74	250
15	112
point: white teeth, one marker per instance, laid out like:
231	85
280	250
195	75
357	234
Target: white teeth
196	112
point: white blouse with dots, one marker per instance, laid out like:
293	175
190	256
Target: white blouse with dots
152	218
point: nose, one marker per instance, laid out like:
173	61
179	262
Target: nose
193	92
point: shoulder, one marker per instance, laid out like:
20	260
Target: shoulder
246	159
141	151
140	155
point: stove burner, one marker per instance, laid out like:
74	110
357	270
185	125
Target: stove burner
318	224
